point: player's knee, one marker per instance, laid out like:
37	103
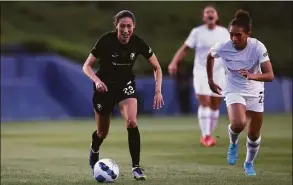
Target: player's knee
102	134
204	104
214	107
131	123
238	123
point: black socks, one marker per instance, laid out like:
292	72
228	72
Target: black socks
133	142
134	145
96	141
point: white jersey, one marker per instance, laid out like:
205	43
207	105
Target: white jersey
203	39
250	58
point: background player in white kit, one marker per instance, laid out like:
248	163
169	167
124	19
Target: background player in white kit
202	38
247	66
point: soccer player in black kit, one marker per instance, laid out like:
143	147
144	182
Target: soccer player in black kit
114	83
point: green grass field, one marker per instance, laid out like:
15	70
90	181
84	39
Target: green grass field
38	153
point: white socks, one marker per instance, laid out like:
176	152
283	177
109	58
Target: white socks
251	146
252	149
208	119
204	120
234	137
214	119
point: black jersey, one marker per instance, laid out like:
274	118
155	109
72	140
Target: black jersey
116	59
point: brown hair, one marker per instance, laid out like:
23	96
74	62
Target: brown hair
123	14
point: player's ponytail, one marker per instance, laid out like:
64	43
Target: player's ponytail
243	16
242	19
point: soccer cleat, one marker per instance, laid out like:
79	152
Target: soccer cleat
232	154
249	169
94	158
138	174
202	141
210	141
207	141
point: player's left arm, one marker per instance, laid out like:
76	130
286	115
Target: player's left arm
267	74
148	54
158	99
157	73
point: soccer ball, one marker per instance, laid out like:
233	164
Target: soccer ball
106	170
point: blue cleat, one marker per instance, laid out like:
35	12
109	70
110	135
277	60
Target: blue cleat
94	158
249	169
232	154
137	173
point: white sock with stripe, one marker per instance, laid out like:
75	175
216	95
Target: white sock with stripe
252	149
214	119
204	120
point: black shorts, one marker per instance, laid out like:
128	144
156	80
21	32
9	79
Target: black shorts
104	102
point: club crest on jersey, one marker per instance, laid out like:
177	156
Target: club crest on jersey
132	55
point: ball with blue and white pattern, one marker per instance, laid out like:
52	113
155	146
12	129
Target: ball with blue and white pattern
106	170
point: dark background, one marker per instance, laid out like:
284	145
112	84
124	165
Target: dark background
71	28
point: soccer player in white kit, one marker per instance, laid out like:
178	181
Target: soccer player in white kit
247	67
202	38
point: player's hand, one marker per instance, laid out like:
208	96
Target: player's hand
172	69
158	101
100	86
246	74
215	88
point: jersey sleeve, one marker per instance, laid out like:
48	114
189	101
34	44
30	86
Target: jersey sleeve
262	52
192	38
145	50
96	50
216	50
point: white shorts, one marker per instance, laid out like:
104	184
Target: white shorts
254	104
201	85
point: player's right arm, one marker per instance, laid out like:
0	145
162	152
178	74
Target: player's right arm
213	53
88	69
181	52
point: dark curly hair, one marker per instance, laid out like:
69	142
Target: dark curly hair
243	20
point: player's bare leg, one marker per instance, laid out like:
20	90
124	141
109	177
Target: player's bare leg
98	136
204	118
237	118
128	109
254	121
